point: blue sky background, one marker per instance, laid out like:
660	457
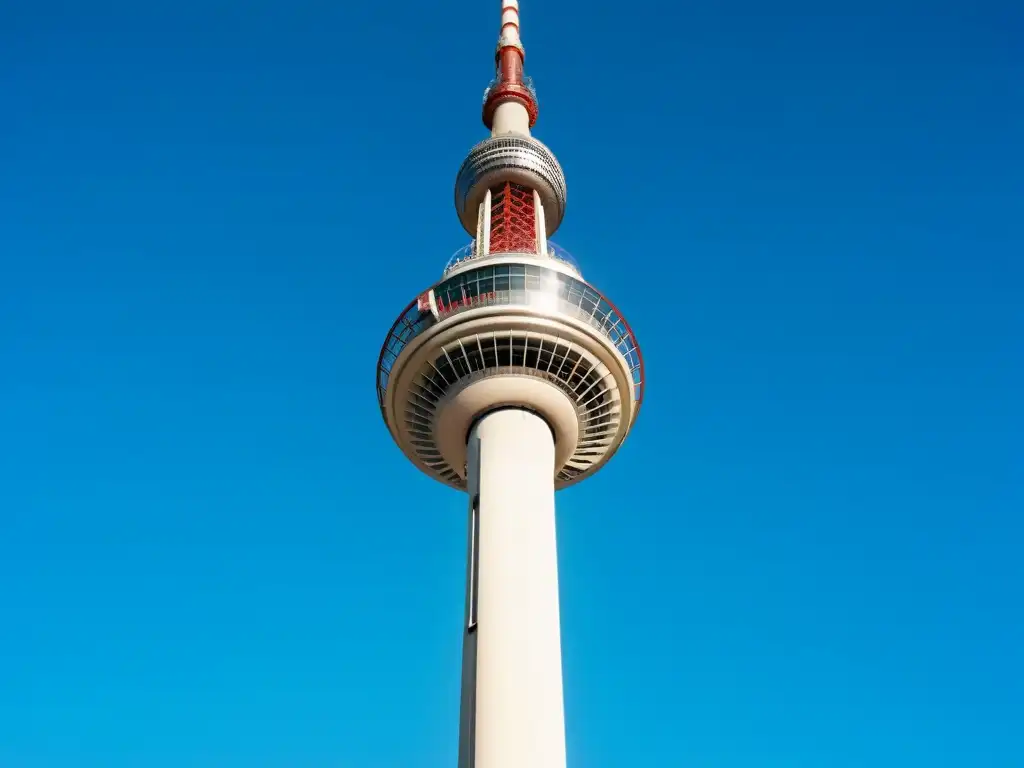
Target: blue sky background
808	552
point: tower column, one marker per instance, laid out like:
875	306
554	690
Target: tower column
512	666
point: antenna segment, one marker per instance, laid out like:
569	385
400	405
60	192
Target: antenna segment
510	104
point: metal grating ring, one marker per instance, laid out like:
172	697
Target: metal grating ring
588	384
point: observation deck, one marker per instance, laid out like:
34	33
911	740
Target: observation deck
510	319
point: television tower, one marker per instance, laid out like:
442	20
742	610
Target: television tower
510	379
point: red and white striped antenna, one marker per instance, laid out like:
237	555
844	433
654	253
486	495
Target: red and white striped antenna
510	105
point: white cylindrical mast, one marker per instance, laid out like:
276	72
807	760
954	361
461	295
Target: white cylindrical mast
513	714
511	117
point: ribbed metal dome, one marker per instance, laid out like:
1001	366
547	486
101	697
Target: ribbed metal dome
510	158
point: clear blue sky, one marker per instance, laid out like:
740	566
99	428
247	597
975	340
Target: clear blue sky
806	555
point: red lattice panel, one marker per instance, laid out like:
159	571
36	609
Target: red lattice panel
513	219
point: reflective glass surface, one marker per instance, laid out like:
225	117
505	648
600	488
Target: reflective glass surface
468	252
521	285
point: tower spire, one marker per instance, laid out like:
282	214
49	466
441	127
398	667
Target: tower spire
510	104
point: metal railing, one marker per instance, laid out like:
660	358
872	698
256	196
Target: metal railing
468	252
527	83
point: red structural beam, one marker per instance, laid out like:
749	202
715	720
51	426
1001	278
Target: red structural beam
513	219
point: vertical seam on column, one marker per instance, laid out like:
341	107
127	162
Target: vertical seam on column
474	560
471	634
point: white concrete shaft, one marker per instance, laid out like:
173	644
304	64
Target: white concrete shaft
510	117
519	718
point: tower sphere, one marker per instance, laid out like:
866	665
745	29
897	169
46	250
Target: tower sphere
512	330
519	159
